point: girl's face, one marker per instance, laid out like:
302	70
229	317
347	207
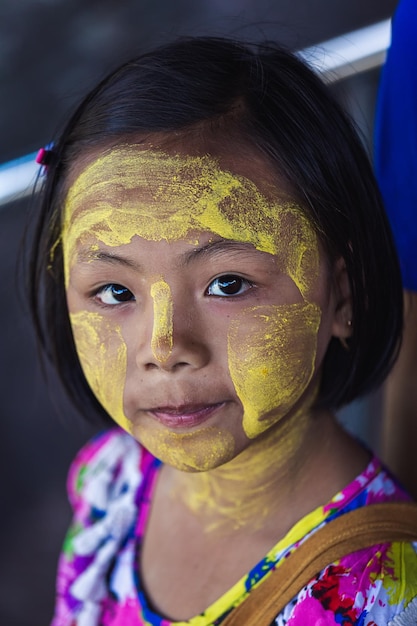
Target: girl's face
201	309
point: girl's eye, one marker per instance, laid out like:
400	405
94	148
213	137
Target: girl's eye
114	294
228	285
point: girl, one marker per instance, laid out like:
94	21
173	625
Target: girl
212	269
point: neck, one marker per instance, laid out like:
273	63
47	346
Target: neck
290	470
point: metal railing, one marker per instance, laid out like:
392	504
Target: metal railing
339	58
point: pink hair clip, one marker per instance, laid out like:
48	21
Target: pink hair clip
44	157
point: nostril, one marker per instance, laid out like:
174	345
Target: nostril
151	366
180	365
166	365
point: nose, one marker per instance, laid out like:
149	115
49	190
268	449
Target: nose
176	339
162	330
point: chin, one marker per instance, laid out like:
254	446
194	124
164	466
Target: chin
200	450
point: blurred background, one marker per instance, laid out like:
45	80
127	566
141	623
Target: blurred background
51	53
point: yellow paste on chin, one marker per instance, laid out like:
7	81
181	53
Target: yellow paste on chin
198	451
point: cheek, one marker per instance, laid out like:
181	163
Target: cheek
272	355
98	344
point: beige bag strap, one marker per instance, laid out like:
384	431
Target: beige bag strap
364	527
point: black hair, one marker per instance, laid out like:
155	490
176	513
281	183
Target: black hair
277	104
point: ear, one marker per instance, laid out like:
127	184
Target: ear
342	326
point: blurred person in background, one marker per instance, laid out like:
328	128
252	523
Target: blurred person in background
396	168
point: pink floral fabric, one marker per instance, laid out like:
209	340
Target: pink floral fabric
110	487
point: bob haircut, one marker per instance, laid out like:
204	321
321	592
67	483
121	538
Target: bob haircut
269	100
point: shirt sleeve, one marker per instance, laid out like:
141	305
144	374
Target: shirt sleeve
102	484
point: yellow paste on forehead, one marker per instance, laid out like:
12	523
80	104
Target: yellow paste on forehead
116	196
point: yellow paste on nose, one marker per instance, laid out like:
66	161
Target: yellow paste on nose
99	344
115	198
272	352
162	339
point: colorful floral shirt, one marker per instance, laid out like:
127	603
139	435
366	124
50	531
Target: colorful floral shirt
110	488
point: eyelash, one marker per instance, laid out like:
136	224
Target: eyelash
236	284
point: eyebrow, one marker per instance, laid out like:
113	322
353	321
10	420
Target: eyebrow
211	249
86	256
217	247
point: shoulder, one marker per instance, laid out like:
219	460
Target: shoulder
103	484
110	462
375	586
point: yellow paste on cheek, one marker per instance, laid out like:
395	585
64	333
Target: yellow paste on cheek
162	339
103	357
272	352
131	191
197	451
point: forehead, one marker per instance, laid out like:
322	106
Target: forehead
134	191
158	196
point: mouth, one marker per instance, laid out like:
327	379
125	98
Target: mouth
184	416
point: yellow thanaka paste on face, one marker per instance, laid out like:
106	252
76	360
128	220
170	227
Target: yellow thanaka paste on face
162	334
198	451
272	364
99	343
271	349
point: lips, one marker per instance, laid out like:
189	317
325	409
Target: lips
185	416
